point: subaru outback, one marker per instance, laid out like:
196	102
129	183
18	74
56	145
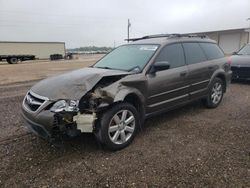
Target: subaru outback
113	97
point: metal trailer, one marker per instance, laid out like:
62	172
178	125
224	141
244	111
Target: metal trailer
13	59
21	51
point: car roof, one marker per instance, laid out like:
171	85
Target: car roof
162	40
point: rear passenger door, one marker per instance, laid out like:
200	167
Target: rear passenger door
200	69
169	87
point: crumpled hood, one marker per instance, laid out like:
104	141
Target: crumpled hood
242	60
72	85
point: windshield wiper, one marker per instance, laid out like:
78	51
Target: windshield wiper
103	67
135	69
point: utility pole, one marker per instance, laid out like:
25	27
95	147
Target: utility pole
248	19
129	25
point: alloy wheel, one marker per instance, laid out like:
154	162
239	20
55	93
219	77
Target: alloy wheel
121	127
216	93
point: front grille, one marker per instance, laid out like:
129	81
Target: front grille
33	101
241	72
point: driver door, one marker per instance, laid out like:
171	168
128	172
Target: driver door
168	88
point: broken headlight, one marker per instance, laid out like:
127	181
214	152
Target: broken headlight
65	106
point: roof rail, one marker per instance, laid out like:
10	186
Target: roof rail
191	35
174	35
148	37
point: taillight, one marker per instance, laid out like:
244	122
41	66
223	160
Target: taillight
227	65
229	60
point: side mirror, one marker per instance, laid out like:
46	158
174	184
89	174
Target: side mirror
235	53
159	66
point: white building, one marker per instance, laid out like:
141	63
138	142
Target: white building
230	40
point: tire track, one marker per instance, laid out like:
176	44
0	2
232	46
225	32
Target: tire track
11	97
15	90
13	138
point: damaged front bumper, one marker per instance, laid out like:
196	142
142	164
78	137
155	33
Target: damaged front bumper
42	130
48	125
49	118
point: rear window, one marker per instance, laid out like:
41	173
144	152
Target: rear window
212	50
194	53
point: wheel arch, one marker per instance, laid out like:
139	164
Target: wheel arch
222	76
135	98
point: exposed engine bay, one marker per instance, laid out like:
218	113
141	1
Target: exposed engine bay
79	116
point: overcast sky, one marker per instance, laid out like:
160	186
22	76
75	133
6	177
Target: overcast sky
101	22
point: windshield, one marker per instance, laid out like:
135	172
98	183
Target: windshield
245	50
128	57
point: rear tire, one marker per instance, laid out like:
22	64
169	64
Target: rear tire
118	126
12	60
215	93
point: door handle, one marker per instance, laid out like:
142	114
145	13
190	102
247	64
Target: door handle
183	73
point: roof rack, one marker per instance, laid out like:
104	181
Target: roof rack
174	35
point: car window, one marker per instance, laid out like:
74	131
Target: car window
194	53
173	54
245	50
212	51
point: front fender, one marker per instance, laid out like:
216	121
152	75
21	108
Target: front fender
120	96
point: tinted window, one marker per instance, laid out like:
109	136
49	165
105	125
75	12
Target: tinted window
212	51
194	53
173	54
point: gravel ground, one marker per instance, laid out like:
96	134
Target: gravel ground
188	147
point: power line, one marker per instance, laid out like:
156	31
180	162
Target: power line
62	16
35	23
17	23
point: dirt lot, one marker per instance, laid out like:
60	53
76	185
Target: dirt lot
189	147
35	70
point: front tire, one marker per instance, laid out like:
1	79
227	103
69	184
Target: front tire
215	93
118	126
